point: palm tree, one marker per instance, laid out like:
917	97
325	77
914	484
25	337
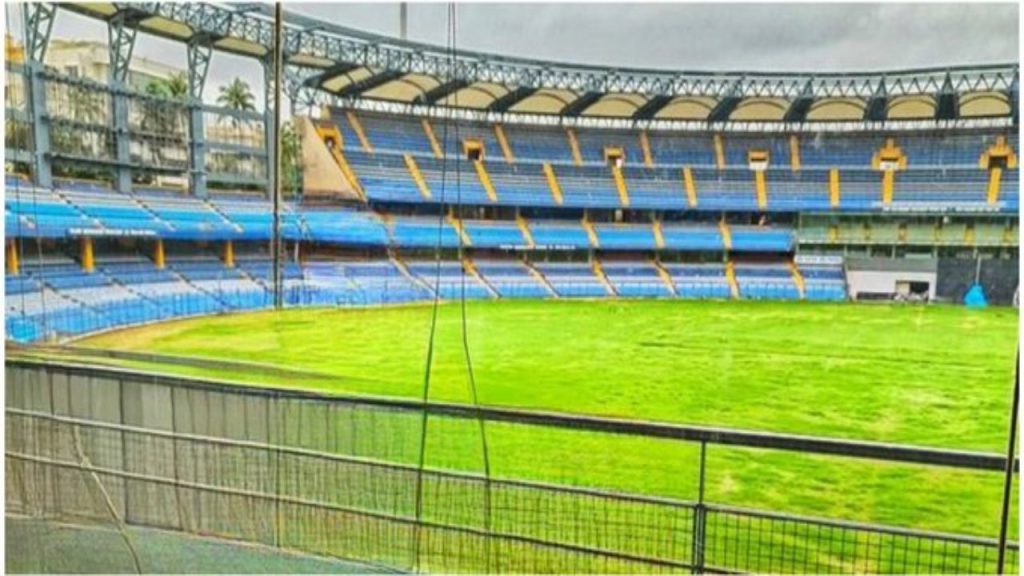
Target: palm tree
177	86
237	96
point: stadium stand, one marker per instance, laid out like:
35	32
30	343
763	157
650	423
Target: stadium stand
616	231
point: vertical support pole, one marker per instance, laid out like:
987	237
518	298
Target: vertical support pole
13	266
1011	452
38	22
159	257
699	516
88	264
121	43
198	64
274	142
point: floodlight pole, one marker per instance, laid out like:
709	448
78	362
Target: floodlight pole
1010	461
276	159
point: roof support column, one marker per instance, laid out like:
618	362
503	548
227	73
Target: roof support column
38	18
198	63
269	122
121	43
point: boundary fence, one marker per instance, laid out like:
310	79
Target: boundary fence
335	476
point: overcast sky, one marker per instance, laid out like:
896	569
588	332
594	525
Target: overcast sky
759	37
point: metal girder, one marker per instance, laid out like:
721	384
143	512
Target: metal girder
198	64
269	122
38	19
199	53
801	105
319	39
367	84
121	44
1014	94
877	103
440	92
121	32
317	80
511	99
577	106
651	108
947	101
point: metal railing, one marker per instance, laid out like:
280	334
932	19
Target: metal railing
336	476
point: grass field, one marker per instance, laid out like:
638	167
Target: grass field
937	376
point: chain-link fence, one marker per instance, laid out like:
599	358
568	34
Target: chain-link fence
338	478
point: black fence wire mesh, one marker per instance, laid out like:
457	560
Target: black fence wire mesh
335	478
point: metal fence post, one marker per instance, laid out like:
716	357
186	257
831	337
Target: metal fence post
1010	461
699	516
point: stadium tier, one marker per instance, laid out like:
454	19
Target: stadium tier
532	211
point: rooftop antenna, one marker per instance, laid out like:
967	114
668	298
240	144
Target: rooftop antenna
403	20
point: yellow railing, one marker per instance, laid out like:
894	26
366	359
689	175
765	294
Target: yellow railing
574	146
556	189
645	147
761	189
691	187
434	145
995	176
620	185
485	180
506	150
833	188
357	127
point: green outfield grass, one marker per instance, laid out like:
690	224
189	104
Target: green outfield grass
937	376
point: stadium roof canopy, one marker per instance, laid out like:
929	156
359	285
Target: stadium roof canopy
355	64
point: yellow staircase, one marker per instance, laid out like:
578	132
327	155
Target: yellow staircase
761	189
888	180
894	158
470	269
995	176
591	233
645	147
798	279
417	176
331	132
719	151
659	238
485	180
730	275
434	145
691	187
620	185
833	188
556	189
525	229
666	278
595	265
13	265
723	229
457	224
540	279
357	127
574	146
794	152
506	150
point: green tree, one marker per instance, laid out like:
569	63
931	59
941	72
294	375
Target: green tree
237	96
291	159
177	86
